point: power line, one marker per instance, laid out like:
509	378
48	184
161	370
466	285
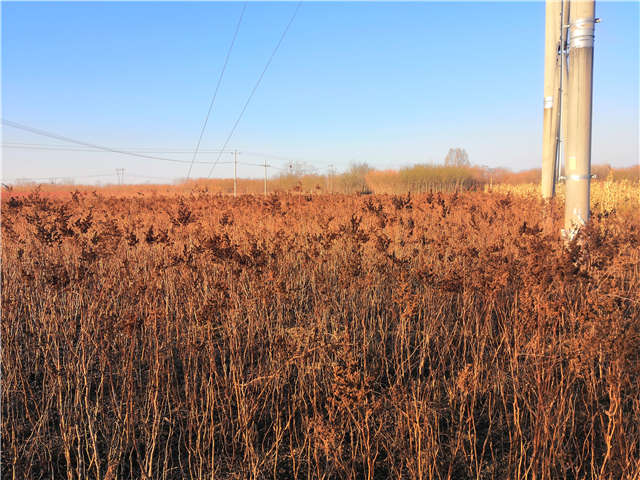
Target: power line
118	175
94	148
29	179
275	50
38	146
215	93
45	133
64	148
150	177
275	157
284	169
253	164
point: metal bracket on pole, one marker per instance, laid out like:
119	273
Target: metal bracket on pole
581	33
562	178
579	177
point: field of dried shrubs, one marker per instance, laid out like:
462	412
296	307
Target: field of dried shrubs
446	336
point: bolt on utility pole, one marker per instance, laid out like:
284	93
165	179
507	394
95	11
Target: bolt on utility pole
580	96
235	173
265	177
553	28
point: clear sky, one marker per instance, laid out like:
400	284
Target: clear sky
390	84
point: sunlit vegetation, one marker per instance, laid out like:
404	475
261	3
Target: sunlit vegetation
186	334
357	179
606	196
427	178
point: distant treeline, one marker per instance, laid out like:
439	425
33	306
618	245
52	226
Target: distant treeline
362	179
418	178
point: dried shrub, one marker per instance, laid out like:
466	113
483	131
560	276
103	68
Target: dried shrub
439	335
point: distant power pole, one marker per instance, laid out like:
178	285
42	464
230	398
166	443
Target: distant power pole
265	177
235	173
331	178
580	96
553	28
120	175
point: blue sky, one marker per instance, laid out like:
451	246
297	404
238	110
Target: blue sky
390	84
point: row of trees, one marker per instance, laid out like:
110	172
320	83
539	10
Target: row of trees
457	173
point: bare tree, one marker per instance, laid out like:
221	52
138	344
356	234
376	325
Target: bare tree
354	179
457	157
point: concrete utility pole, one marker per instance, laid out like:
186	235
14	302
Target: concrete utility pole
553	27
235	173
561	124
578	146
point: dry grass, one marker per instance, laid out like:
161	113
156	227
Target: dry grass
606	196
443	336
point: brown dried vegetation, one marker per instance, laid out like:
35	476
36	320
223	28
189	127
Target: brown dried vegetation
442	336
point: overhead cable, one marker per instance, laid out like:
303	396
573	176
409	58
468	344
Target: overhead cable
215	93
45	133
264	70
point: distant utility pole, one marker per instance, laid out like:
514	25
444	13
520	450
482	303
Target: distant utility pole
553	28
120	175
265	177
580	95
331	178
235	173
